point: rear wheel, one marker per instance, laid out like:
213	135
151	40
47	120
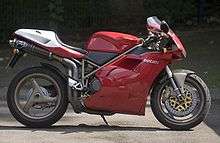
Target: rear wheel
37	97
185	113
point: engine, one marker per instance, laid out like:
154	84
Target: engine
94	86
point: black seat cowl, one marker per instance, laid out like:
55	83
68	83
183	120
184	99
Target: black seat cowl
71	47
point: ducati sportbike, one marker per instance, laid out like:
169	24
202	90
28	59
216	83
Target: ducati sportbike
114	73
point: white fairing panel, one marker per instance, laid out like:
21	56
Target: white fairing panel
42	37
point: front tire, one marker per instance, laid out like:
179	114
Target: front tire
174	115
54	99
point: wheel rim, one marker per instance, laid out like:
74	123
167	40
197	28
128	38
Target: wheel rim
185	111
37	96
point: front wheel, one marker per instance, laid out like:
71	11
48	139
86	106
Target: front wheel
184	113
37	97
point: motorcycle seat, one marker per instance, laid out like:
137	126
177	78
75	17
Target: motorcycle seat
71	47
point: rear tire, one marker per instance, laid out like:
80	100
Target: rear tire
187	124
41	122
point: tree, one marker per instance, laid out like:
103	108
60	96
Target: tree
56	11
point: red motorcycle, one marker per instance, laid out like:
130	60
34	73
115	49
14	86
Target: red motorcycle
114	74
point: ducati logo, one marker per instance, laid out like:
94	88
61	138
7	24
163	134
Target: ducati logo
151	61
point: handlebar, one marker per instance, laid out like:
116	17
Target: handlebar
155	40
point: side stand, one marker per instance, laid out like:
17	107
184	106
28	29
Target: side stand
103	117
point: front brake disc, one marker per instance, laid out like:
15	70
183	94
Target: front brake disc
183	107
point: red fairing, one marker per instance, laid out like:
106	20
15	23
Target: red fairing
66	53
126	83
112	42
178	43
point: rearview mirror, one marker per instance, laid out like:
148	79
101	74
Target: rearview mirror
164	27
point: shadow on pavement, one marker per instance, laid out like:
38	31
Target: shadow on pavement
213	118
66	129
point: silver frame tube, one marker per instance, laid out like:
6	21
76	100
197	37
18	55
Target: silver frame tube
74	71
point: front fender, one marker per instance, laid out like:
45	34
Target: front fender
180	76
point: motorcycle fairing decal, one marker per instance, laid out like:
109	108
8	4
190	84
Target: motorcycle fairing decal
149	61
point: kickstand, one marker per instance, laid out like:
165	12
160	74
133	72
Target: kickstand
103	117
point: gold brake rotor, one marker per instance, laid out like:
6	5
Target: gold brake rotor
183	104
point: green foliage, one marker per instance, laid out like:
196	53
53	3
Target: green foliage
213	11
15	14
213	8
86	13
174	11
78	15
56	11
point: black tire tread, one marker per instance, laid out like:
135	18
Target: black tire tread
160	117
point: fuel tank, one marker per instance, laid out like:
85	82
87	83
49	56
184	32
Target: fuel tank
113	42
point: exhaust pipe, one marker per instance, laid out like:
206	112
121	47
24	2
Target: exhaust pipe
76	103
33	50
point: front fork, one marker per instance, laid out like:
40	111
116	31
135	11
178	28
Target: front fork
176	87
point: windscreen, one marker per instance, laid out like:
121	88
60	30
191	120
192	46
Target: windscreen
153	22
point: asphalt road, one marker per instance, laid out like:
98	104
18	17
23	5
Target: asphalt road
84	128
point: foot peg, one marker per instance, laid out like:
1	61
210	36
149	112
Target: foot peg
103	117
